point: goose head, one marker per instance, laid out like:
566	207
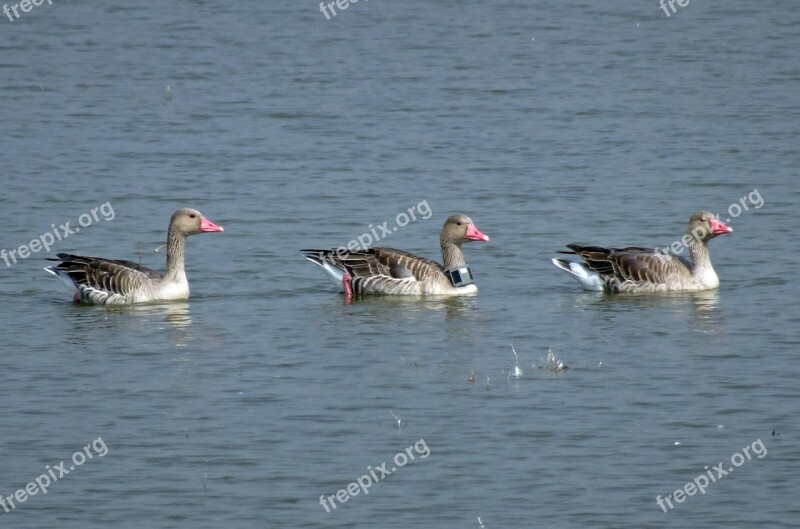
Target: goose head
459	229
704	226
188	221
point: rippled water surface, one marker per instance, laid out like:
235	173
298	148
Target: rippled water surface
546	122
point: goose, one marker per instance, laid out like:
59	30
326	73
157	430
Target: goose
99	281
647	270
390	271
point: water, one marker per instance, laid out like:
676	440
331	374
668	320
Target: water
547	123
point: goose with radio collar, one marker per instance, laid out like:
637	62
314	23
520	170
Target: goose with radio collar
395	272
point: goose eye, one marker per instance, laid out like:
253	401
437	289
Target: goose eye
193	215
458	222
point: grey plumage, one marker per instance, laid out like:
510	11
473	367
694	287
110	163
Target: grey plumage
100	281
647	270
390	271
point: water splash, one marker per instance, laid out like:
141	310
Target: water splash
552	363
397	422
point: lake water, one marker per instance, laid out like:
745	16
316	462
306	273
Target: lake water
546	122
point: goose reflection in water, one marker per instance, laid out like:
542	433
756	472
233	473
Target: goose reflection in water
699	310
176	314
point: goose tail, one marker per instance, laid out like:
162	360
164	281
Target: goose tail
588	279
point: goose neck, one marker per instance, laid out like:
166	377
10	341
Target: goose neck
452	256
176	243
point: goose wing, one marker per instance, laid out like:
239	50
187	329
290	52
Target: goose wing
392	263
381	270
100	280
632	264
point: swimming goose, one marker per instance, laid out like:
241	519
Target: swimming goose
98	281
390	271
647	270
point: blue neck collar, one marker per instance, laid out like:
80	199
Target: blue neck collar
460	276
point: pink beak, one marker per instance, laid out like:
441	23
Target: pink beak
474	234
207	225
718	228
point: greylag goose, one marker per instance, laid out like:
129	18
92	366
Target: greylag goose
98	281
390	271
647	270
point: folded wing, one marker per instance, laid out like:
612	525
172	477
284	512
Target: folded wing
618	266
102	281
377	270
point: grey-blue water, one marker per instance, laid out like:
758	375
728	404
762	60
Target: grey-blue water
546	122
